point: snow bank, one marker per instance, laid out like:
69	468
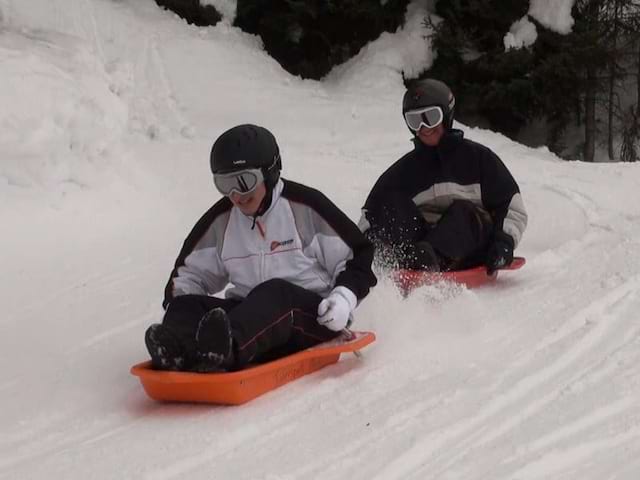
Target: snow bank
553	14
406	51
59	114
521	34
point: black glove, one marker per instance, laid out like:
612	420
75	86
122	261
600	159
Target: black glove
500	253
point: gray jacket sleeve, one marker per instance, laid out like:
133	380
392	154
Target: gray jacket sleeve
199	269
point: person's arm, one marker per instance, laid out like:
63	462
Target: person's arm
502	199
199	269
339	246
368	222
501	196
336	241
372	211
345	251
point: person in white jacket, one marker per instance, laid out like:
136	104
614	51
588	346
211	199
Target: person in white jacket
293	264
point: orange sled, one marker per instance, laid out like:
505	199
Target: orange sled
235	388
407	280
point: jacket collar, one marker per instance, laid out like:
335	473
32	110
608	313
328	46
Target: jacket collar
449	141
275	195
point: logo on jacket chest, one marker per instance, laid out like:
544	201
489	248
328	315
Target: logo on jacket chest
277	244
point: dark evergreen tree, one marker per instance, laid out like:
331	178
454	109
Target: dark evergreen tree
309	37
630	147
480	24
490	84
192	11
560	78
556	84
603	32
623	18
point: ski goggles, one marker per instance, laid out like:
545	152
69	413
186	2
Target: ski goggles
429	117
242	182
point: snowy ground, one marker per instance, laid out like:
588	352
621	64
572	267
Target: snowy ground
105	130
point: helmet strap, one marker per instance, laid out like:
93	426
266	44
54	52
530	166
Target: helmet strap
264	204
271	175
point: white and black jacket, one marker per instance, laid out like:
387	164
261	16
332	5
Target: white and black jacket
457	169
302	238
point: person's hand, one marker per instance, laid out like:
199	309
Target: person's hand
334	311
500	253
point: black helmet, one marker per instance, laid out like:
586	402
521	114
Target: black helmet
430	92
247	146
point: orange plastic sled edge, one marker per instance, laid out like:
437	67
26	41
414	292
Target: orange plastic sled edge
235	388
407	280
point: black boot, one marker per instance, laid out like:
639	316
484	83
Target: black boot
422	256
214	342
165	348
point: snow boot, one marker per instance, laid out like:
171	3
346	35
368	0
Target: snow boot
214	342
165	348
422	256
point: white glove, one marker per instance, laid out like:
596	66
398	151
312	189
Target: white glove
334	311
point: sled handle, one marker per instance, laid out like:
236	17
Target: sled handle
349	335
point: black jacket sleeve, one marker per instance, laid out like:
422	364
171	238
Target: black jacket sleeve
501	197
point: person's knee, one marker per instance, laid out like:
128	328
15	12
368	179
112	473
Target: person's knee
185	311
271	286
184	302
463	207
468	209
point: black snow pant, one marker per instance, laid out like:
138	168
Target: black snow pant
277	318
460	237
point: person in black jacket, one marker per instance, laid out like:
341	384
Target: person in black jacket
450	203
295	266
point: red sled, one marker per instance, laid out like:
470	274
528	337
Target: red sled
235	388
407	280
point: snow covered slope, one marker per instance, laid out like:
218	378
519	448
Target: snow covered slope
105	133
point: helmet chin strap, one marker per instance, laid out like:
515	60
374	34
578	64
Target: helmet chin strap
264	205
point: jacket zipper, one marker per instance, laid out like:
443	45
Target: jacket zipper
262	254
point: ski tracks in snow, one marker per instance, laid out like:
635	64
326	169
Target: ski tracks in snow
588	349
595	349
135	63
155	110
410	415
534	377
520	427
